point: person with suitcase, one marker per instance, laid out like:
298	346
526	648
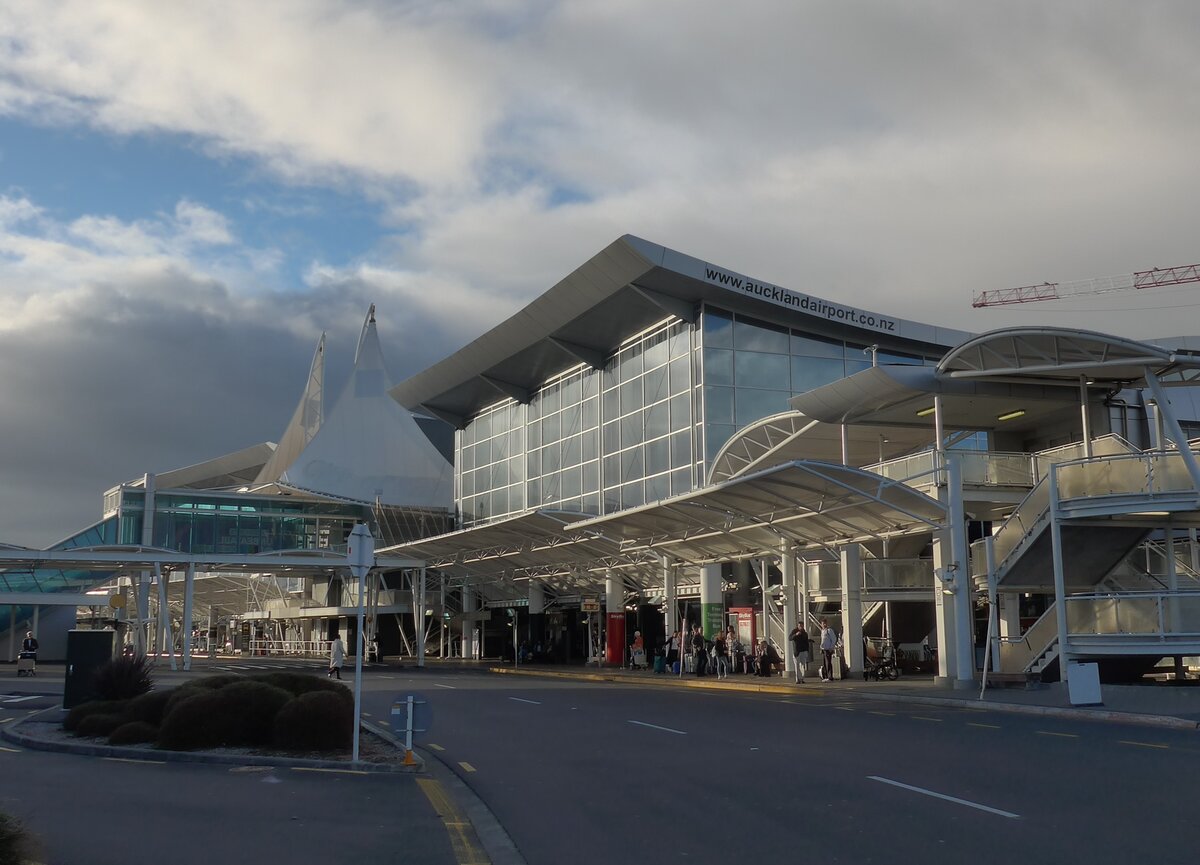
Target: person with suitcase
27	659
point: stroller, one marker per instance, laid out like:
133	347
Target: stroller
27	664
883	665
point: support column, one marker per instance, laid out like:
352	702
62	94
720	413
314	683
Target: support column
964	584
1171	425
1087	421
12	633
468	625
711	603
614	630
189	591
420	618
852	579
143	612
670	603
36	617
787	569
1060	588
165	638
944	631
537	614
442	630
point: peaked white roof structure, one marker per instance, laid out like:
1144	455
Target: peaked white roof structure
368	448
305	421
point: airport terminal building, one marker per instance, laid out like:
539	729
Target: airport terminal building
675	443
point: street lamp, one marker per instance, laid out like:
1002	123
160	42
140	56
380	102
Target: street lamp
360	556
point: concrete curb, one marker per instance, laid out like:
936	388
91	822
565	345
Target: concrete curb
12	733
1101	715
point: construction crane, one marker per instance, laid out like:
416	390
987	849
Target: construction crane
1155	277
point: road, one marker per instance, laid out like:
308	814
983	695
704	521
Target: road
593	773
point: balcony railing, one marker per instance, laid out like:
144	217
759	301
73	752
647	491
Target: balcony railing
1138	614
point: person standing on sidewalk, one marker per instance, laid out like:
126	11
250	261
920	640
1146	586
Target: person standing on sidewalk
721	655
799	638
828	646
698	650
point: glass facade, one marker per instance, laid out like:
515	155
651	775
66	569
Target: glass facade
645	426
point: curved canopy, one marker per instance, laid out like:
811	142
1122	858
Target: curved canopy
1053	352
791	435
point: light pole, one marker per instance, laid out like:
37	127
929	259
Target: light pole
360	556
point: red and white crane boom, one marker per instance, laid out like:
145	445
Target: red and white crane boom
1152	278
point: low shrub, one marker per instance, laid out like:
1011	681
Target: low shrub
133	733
298	684
149	708
197	686
239	714
122	678
316	721
95	707
97	725
16	846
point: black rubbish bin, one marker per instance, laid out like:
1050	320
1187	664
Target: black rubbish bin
86	650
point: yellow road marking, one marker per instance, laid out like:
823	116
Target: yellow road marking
1144	744
467	850
988	726
435	747
1063	735
330	771
466	766
132	760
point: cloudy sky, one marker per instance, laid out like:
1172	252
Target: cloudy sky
191	192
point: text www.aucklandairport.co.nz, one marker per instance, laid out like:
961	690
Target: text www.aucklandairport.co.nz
816	306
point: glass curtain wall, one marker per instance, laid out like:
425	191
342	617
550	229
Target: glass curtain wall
590	441
751	367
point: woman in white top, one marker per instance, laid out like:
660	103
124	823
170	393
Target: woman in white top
337	656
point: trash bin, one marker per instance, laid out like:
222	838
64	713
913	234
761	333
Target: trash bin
86	650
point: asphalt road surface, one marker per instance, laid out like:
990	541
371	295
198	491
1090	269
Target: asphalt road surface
593	774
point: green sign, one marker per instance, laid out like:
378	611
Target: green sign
713	615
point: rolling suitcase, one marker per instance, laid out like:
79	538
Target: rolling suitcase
660	664
838	674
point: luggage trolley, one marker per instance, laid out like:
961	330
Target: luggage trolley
27	664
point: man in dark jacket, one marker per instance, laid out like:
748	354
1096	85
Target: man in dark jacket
799	638
698	650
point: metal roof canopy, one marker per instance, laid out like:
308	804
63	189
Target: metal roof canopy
791	435
813	504
894	395
1057	353
537	543
137	558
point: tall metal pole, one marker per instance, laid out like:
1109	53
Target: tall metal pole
360	555
189	591
421	618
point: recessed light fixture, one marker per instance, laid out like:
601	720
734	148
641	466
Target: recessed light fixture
1012	415
1150	514
927	411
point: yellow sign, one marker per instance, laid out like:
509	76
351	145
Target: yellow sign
117	602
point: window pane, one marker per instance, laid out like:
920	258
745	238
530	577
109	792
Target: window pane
681	411
629	363
631	464
755	404
681	341
658	456
612	470
588	449
656	353
755	369
754	335
631	396
570	483
896	357
550	463
681	482
809	372
680	380
632	495
571	419
718	405
534	463
853	366
571	391
572	451
718	328
816	346
591	477
718	366
658	488
715	435
681	449
549	399
589	413
658	421
656	385
550	428
612	404
631	430
591	383
533	433
612	440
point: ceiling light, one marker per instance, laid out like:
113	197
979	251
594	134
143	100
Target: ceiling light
1011	415
1150	514
927	411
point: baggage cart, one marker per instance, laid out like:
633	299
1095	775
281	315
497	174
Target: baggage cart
27	664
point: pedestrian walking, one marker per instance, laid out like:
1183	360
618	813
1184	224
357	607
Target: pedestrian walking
337	656
721	655
799	638
828	646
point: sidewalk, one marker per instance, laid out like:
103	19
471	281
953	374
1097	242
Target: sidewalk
1159	705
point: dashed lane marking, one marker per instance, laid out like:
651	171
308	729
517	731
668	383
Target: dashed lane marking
887	714
925	718
467	767
1144	744
435	747
986	726
842	708
1060	735
530	702
10	750
463	841
440	685
329	771
656	727
132	760
14	699
946	798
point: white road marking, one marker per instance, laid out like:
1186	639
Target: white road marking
18	699
656	727
531	702
954	799
440	685
236	667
